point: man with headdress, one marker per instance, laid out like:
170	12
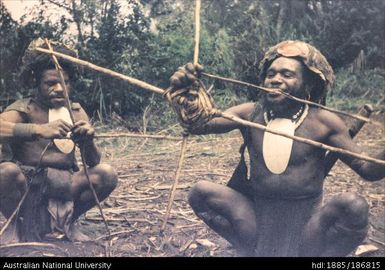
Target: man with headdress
278	211
38	137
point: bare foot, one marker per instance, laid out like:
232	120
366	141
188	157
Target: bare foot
10	235
76	235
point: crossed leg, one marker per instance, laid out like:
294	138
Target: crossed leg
13	185
104	180
227	212
338	228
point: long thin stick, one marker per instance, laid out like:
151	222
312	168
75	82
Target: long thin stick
197	30
10	219
60	70
185	136
175	184
82	150
301	139
331	158
155	137
114	74
279	91
149	87
29	244
25	193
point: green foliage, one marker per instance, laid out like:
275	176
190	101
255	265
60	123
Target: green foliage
351	90
344	28
150	39
14	39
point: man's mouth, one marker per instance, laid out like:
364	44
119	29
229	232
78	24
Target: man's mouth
56	97
274	94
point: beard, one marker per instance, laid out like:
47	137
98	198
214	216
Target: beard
52	101
280	103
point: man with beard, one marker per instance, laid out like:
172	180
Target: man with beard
278	211
38	140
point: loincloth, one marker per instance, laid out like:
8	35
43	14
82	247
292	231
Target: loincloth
48	206
281	224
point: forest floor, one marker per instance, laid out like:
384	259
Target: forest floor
146	169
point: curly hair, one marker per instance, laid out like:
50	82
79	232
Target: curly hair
319	75
34	63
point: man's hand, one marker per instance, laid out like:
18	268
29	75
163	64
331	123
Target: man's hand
83	131
57	129
185	76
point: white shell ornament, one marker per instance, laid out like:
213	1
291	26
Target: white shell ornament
66	146
277	149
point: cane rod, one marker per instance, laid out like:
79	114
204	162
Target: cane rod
185	134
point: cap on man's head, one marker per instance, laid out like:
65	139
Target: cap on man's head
35	62
309	56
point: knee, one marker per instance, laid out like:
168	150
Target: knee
355	204
109	176
355	209
197	193
11	174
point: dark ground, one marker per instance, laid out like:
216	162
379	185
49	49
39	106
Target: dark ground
146	168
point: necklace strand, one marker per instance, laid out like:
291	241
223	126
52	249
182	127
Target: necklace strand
298	117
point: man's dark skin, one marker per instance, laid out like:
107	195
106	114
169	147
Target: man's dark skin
13	183
232	214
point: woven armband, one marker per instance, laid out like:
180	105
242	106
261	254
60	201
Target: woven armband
24	131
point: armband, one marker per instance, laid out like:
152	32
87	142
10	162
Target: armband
24	131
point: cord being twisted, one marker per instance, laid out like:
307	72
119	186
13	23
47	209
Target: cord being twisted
194	106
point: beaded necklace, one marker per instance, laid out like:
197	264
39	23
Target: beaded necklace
297	118
276	149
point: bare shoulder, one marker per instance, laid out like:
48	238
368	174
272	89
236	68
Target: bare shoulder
79	112
12	116
243	111
330	120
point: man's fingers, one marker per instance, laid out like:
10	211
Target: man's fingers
185	75
194	69
191	78
174	80
190	67
199	68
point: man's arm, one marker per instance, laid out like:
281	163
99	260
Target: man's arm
221	125
12	127
187	76
339	137
83	133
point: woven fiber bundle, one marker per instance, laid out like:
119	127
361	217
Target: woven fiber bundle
194	106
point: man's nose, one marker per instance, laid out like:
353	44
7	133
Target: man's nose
276	80
57	88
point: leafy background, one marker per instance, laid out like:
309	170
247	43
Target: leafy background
150	39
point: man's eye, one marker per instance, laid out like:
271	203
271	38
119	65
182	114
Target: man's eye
288	74
270	75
